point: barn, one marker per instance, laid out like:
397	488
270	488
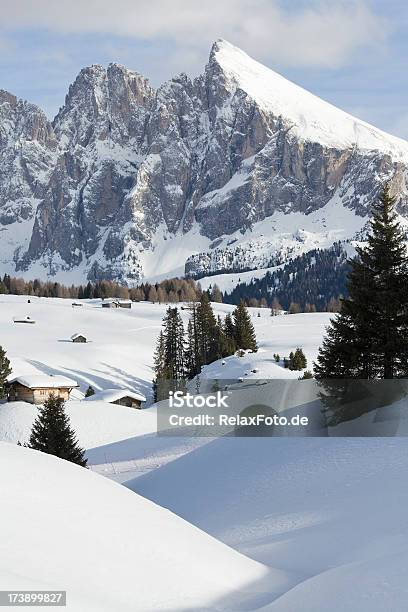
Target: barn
78	338
122	397
117	303
110	304
37	388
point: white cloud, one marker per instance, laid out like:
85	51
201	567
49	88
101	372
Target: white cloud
324	33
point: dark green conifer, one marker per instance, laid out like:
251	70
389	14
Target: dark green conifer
52	433
5	370
369	337
244	331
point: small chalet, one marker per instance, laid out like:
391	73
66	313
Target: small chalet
110	304
122	397
78	338
37	388
117	303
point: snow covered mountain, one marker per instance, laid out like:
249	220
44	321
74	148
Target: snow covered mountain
235	170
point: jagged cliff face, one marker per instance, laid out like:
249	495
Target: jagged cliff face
236	170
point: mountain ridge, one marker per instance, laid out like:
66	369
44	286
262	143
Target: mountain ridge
129	182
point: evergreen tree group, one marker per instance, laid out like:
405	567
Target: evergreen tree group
167	291
368	339
52	433
297	360
181	354
310	282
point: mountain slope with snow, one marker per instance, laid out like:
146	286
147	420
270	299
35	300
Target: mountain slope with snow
313	119
233	171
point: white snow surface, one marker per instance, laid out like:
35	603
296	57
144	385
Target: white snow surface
330	510
121	441
63	527
38	381
317	524
313	118
112	395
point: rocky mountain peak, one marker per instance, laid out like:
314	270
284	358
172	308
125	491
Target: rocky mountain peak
236	170
104	103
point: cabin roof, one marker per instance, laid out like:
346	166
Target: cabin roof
74	336
43	381
113	395
116	301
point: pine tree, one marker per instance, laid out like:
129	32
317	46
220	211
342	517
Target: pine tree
297	360
229	329
229	334
159	366
369	337
244	331
216	295
306	375
207	331
5	370
90	391
226	345
51	433
174	349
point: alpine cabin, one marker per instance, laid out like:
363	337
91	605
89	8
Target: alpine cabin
37	388
121	397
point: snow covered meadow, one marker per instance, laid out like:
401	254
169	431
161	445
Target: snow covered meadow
191	524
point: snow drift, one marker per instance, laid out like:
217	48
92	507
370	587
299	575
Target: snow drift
333	510
63	527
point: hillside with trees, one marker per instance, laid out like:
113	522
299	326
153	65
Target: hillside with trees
181	352
313	281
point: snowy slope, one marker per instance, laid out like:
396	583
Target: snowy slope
332	510
119	352
120	441
121	343
116	551
95	423
313	118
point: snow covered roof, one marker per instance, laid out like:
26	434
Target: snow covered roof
43	381
113	395
77	336
116	301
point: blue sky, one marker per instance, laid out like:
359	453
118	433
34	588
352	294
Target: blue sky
352	53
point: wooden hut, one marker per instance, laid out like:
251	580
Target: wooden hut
110	304
78	338
116	303
122	397
37	388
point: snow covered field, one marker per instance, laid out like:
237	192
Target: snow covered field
121	442
266	524
331	511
